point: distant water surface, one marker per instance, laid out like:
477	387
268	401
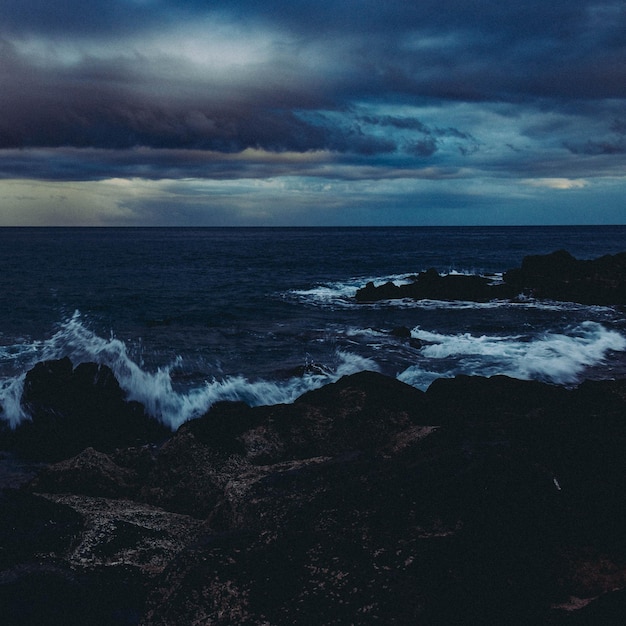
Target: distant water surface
187	316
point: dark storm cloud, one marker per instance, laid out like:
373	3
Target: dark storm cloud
72	17
591	147
293	76
612	142
424	148
404	123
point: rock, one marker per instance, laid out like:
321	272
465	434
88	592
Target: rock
71	559
559	276
555	276
126	534
364	412
304	539
371	293
36	585
74	408
608	610
357	539
476	400
401	332
431	285
187	476
483	500
221	427
404	333
89	473
31	525
469	523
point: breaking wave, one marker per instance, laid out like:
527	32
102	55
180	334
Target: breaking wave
558	358
341	293
561	357
156	389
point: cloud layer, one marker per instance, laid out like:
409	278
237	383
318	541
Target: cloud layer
352	91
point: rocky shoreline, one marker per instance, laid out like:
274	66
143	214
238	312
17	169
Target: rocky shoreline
555	276
366	501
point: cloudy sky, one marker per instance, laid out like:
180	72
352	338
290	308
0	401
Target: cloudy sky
285	112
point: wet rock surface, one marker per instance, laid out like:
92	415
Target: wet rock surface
479	501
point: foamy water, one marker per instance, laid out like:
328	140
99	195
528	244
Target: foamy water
189	317
156	390
552	357
558	358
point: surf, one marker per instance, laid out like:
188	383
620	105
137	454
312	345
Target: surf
555	357
156	390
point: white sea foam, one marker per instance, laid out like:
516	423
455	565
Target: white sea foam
552	357
558	357
155	390
162	401
341	293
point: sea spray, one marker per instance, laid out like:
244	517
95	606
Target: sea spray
11	409
155	390
559	358
156	393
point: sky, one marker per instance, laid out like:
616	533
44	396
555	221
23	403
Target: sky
293	113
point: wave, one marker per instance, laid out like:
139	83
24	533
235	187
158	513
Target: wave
340	293
559	358
155	390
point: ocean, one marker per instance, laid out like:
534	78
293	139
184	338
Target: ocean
187	317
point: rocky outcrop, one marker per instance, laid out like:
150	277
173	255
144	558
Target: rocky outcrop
70	560
71	408
555	276
430	285
559	276
479	501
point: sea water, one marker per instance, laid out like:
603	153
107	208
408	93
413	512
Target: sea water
186	317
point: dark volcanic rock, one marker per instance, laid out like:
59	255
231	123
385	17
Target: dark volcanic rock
404	334
31	525
358	540
495	517
365	411
90	473
559	276
73	408
401	332
75	560
474	400
555	276
430	285
187	476
481	501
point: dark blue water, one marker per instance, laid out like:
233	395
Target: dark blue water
189	316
